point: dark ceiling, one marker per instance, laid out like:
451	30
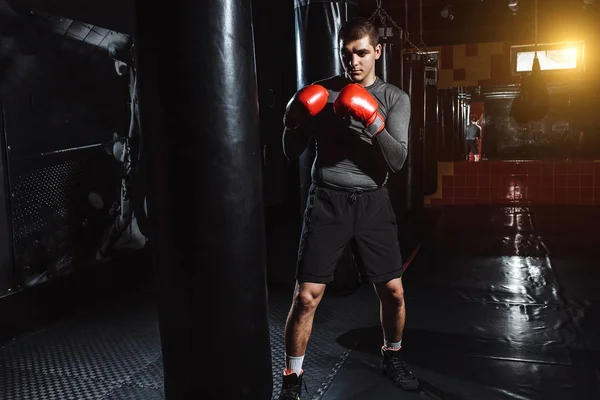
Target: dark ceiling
474	20
477	21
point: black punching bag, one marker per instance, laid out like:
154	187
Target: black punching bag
414	84
532	102
430	129
199	117
318	57
390	68
383	66
273	28
446	120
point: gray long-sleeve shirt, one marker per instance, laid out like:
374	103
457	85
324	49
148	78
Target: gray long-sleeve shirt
473	132
346	156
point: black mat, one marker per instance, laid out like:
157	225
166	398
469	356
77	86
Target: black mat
492	313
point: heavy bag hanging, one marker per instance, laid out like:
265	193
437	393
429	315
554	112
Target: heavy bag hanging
539	96
519	109
222	200
532	102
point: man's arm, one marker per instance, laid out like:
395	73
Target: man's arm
298	119
296	140
393	139
391	135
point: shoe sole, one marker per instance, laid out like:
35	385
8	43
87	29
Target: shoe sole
418	388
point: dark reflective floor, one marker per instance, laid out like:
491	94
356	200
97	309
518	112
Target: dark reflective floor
502	303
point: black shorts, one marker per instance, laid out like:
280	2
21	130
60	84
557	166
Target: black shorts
335	218
471	146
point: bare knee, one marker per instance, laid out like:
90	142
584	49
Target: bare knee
307	297
391	293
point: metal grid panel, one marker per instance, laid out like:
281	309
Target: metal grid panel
40	194
53	221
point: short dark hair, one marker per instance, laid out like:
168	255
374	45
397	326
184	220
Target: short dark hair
356	29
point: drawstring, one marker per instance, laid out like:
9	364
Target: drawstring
354	195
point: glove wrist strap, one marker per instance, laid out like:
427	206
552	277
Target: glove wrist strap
376	127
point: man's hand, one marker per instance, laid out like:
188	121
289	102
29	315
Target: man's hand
356	101
307	102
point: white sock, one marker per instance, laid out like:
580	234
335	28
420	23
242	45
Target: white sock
392	345
294	364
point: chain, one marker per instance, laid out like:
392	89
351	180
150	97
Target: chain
406	16
384	16
379	12
421	21
536	22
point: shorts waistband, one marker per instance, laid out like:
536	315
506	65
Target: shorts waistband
348	190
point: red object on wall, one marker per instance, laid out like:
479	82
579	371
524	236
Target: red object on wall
477	110
522	183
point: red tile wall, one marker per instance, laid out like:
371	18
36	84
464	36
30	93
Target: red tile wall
522	182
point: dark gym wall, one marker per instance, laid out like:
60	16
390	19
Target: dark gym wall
61	102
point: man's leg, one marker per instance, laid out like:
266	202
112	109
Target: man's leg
393	315
380	263
467	149
298	328
326	231
392	311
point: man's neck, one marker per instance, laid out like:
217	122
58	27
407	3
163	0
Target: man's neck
368	81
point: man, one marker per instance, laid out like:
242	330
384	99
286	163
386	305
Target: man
360	124
472	139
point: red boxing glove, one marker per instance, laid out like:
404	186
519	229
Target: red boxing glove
307	102
356	101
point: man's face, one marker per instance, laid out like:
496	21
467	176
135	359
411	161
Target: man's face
358	58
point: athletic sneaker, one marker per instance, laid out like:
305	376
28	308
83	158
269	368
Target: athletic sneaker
395	368
292	387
